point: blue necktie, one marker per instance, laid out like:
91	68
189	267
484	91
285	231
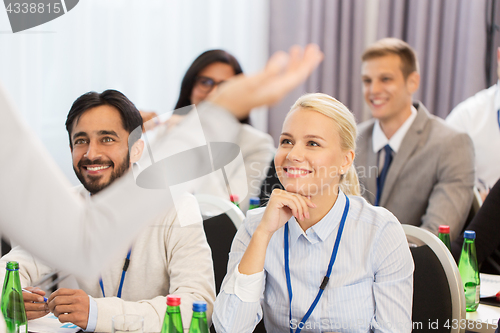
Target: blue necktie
383	174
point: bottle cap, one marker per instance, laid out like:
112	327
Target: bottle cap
12	266
173	300
234	198
469	234
444	229
199	306
254	201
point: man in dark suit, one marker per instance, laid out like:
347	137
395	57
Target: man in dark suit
408	160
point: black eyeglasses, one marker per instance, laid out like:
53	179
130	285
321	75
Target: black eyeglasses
206	84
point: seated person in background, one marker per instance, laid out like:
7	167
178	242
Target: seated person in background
86	252
206	73
408	160
479	116
164	259
320	210
486	224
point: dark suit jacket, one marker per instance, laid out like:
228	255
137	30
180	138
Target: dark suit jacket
486	224
431	178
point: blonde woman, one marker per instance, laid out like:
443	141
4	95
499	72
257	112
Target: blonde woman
318	258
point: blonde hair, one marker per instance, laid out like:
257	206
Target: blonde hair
346	127
386	46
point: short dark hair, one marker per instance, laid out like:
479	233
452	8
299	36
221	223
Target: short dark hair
385	46
205	59
131	117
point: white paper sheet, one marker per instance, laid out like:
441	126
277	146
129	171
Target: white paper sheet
50	324
490	285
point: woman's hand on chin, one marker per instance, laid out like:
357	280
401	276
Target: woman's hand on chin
281	207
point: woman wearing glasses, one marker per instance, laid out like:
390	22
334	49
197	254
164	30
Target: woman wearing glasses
211	69
206	73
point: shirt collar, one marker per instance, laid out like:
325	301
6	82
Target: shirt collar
380	140
84	193
321	230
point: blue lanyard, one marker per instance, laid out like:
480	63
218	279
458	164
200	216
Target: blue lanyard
325	279
125	267
498	117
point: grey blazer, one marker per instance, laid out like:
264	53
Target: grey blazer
431	178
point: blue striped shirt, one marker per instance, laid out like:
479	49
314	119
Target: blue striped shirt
370	289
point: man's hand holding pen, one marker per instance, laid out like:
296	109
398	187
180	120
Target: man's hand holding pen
35	303
70	306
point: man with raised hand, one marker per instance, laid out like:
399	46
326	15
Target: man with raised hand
90	232
32	178
408	160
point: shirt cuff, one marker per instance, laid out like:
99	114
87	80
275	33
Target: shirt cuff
248	288
92	322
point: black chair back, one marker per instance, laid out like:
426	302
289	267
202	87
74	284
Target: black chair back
431	292
269	184
220	232
5	246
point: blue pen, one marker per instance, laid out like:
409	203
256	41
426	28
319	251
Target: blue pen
44	299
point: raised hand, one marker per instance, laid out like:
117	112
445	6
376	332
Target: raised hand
146	117
283	72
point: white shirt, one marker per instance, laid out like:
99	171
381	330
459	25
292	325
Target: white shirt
380	140
166	258
478	117
371	283
39	204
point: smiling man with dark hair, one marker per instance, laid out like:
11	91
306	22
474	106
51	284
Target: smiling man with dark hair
98	147
164	259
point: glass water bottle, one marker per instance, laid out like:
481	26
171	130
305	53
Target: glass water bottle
173	320
254	203
199	320
444	235
12	301
469	271
235	199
